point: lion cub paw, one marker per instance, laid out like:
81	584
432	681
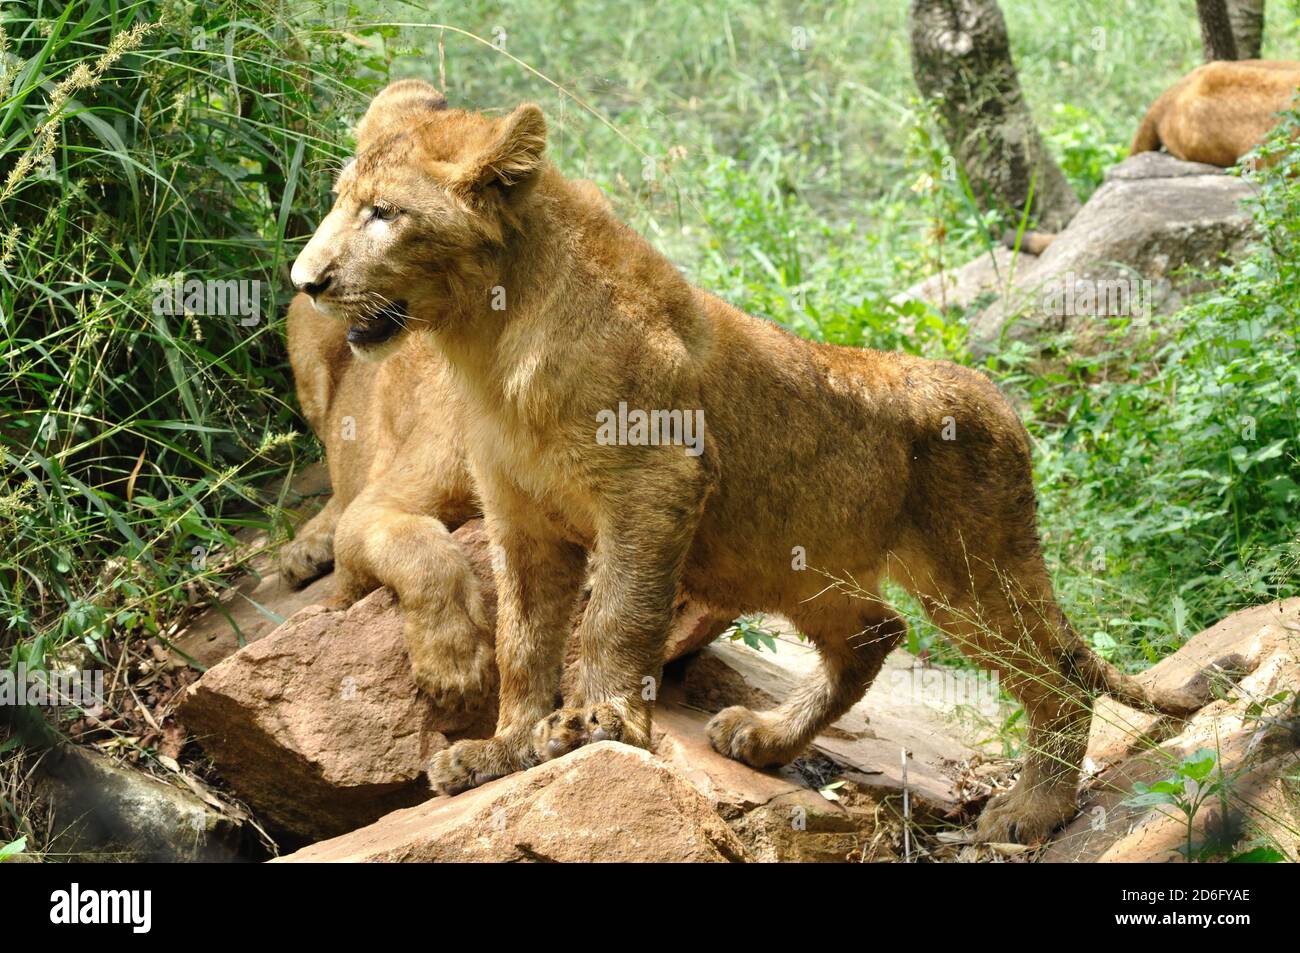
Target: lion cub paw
565	730
456	672
748	736
305	559
457	687
472	762
1024	818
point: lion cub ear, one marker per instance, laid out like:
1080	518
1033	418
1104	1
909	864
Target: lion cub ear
406	100
513	153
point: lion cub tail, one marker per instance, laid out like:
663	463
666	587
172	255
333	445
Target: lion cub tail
1147	137
1100	676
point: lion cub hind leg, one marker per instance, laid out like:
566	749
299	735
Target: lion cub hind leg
1009	621
444	621
853	635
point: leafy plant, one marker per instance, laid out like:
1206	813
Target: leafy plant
1168	452
752	631
143	142
12	849
1259	855
1195	780
1084	151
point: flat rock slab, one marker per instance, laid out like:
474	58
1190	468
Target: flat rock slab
731	787
912	708
777	816
258	602
606	802
253	608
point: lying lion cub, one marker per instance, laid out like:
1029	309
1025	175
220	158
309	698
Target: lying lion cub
398	476
1220	111
580	354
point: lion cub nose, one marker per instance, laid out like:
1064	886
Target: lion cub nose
312	287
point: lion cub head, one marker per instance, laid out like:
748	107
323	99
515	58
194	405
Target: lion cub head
419	213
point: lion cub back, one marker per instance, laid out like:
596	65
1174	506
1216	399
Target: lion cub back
1220	111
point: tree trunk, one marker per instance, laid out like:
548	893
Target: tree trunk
1247	19
961	60
1216	30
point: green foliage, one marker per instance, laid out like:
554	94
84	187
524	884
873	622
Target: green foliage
1076	140
1195	780
1259	855
138	142
801	184
1168	459
12	849
752	631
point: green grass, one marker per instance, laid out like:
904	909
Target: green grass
802	184
138	143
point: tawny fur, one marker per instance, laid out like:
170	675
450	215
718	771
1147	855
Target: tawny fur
399	481
1220	111
861	464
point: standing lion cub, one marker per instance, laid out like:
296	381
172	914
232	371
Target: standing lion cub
556	320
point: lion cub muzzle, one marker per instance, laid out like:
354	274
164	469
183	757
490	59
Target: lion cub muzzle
379	327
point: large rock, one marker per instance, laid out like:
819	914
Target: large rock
604	802
101	810
683	786
1252	661
319	725
777	816
1118	257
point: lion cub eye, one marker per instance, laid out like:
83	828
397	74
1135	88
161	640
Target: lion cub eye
384	212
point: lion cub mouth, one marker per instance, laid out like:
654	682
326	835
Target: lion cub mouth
378	327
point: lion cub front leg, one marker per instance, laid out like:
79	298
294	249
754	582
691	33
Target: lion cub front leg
636	574
444	621
539	577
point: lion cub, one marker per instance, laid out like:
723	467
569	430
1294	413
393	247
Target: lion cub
399	481
579	354
1220	111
